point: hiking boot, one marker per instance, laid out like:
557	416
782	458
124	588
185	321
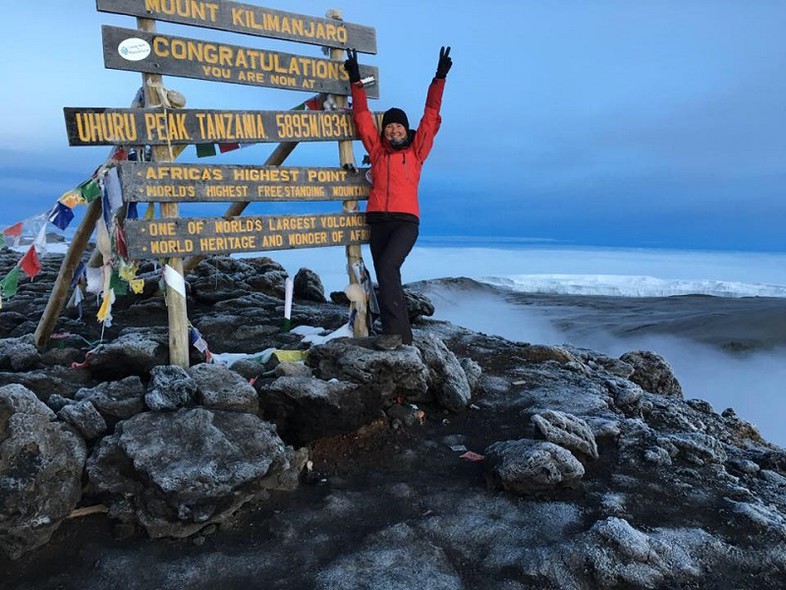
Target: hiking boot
387	341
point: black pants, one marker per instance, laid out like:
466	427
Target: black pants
390	242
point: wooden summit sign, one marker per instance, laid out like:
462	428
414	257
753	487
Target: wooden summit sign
249	19
156	126
187	236
170	182
138	51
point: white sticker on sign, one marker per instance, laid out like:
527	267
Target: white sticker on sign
134	49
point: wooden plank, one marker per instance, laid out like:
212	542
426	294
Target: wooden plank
59	295
155	182
198	236
176	304
346	157
276	158
135	51
155	126
250	20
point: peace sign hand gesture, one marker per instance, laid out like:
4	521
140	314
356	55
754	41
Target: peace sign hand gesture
351	66
443	66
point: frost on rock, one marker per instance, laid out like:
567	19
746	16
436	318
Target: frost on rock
183	470
567	431
653	373
530	467
614	554
41	463
446	377
406	559
220	388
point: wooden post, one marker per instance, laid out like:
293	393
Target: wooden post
277	158
176	303
59	295
347	158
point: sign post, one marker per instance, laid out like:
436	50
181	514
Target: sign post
167	132
175	289
354	257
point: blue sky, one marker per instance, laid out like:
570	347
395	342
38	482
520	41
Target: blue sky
614	123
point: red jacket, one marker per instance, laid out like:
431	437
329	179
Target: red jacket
396	172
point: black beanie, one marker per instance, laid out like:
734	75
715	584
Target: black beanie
395	115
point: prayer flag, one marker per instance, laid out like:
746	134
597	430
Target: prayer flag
118	285
137	285
15	231
9	284
112	186
131	211
61	215
150	212
40	241
127	271
228	147
78	274
204	150
72	198
313	104
90	190
29	263
104	312
120	242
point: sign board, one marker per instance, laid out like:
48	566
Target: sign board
249	19
172	182
200	236
153	53
157	126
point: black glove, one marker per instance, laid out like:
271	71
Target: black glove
443	66
351	66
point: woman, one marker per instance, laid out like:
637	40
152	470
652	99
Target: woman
397	155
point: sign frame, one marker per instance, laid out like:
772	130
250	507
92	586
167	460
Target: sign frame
203	183
186	57
88	126
249	19
202	236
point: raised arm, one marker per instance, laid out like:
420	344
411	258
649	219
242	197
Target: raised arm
429	124
361	116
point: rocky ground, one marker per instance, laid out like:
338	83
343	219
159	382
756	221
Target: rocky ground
464	461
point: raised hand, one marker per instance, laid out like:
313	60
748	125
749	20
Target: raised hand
443	66
351	65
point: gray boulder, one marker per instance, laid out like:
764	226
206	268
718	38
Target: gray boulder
18	354
308	286
446	378
614	554
132	353
178	472
170	388
626	394
116	399
287	369
222	389
418	305
387	373
85	418
530	467
653	373
41	463
473	372
48	381
567	430
306	409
